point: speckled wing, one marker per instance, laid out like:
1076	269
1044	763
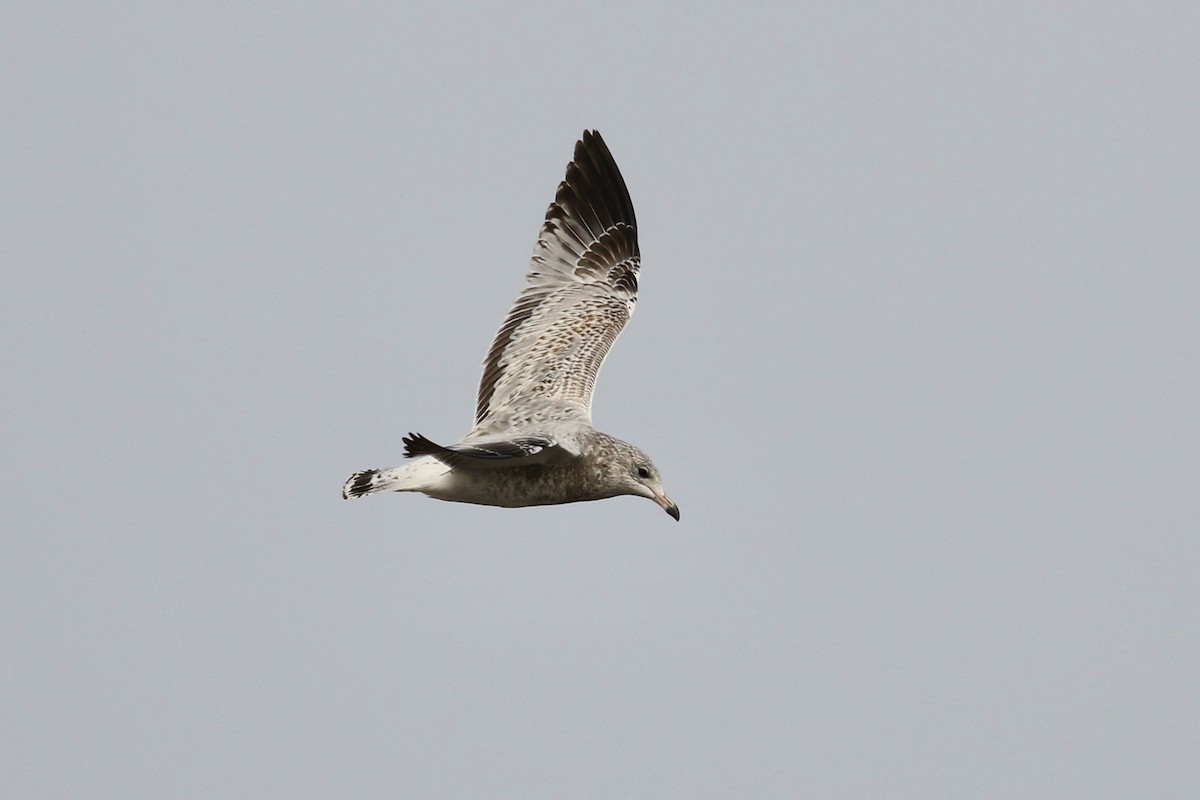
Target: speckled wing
581	290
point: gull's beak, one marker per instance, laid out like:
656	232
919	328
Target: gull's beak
667	505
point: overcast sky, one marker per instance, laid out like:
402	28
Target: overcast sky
917	355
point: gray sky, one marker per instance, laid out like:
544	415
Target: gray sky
916	353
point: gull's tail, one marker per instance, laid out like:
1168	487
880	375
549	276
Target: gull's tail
418	476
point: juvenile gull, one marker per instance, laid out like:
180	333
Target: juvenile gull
533	442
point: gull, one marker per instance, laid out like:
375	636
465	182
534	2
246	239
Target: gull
533	442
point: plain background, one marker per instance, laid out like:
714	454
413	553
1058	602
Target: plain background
916	353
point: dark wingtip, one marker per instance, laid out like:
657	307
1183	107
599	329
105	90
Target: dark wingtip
359	483
417	445
590	138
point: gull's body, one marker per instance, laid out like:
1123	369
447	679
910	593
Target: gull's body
533	442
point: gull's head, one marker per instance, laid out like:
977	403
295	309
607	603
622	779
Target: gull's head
637	475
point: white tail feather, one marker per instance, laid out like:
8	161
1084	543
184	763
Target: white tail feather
418	476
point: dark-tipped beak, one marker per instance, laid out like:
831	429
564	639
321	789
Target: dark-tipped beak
667	505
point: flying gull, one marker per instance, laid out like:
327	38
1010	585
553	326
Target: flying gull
533	442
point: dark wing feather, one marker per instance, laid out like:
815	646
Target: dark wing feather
491	453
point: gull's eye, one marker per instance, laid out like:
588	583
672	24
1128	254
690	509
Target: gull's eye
643	473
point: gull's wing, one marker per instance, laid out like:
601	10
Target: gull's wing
580	292
493	453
